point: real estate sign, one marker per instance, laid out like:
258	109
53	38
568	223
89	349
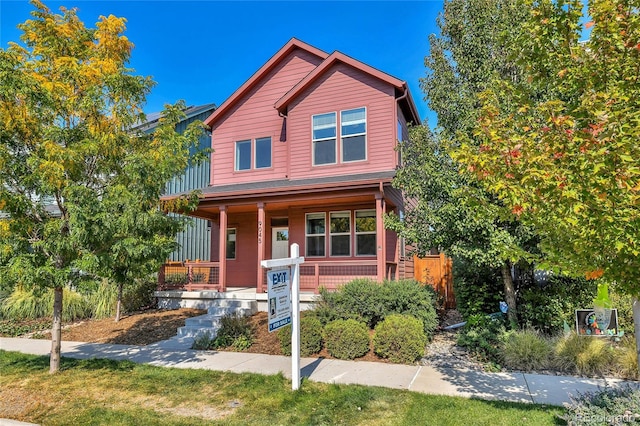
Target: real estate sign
279	298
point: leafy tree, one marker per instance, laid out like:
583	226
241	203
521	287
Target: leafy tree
450	210
567	163
72	167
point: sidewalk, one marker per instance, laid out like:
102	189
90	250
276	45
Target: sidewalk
516	387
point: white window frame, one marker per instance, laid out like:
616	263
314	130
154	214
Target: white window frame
356	232
332	234
237	157
314	140
343	137
307	235
234	232
255	153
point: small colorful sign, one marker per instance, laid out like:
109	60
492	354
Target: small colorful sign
591	322
279	298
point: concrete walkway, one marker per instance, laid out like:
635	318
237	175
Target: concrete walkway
517	387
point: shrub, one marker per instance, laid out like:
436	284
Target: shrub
368	301
233	328
310	337
583	355
483	336
627	358
527	350
478	290
360	299
549	306
409	297
606	406
139	295
400	338
203	341
346	339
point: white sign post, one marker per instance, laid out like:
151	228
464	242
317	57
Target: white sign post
294	263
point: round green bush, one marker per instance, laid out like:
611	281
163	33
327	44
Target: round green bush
310	337
346	339
400	338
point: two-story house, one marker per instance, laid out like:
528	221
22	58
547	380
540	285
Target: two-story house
305	152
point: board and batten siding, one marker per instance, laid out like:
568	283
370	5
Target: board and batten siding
195	240
255	117
343	88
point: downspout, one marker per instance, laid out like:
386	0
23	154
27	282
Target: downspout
288	156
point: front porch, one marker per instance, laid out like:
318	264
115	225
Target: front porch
205	276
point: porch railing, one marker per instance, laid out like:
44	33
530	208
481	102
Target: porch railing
189	276
331	275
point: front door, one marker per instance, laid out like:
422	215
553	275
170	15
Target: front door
279	242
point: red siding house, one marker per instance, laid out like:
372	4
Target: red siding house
304	152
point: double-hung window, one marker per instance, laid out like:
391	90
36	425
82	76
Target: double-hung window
253	154
324	139
353	129
340	233
315	234
365	232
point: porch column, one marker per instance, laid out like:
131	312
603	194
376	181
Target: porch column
381	254
223	248
261	248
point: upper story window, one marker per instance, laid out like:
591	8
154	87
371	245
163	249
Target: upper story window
243	155
353	136
353	129
253	154
324	139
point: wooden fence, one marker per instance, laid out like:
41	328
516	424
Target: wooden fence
436	271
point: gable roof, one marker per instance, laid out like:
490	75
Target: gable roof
258	75
336	57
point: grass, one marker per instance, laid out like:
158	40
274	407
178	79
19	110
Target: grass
105	392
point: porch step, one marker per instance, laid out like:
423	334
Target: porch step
210	322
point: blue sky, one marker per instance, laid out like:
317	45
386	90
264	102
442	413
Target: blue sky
202	51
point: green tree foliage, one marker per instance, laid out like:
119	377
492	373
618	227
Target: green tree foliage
450	211
567	162
79	186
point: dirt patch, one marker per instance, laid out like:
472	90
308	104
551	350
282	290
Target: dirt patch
142	328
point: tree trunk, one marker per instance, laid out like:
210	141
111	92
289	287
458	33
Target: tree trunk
119	302
56	331
636	326
509	293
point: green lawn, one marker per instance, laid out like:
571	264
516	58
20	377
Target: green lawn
104	392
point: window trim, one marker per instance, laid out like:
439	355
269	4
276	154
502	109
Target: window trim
342	137
356	232
236	163
255	153
314	140
307	235
332	234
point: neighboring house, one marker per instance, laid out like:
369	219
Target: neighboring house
195	240
305	152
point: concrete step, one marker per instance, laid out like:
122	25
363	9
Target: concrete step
207	320
252	305
196	331
224	311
